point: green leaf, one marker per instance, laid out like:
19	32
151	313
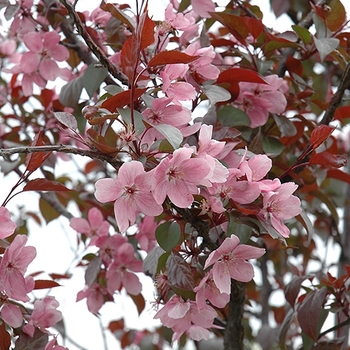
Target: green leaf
328	202
272	146
303	34
172	134
325	46
126	115
47	210
93	77
216	93
70	93
231	116
168	235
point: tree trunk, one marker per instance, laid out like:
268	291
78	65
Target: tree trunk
234	332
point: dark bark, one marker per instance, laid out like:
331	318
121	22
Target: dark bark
234	332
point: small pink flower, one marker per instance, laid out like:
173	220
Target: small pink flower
44	315
177	177
202	67
93	227
7	227
203	7
131	192
95	295
177	90
207	290
185	317
162	112
146	233
230	261
258	100
279	205
13	266
12	315
121	272
44	52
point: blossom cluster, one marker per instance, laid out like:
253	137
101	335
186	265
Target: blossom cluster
15	287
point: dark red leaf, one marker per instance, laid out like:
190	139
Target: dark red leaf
339	175
294	66
179	272
129	57
342	113
5	338
170	57
236	25
146	30
116	325
310	310
139	301
292	289
122	99
328	159
44	185
45	284
320	134
35	160
255	26
240	74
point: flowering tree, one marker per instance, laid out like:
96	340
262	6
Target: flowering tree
216	149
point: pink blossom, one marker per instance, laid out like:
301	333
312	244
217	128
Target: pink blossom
95	295
109	246
162	112
44	52
146	233
177	19
240	191
185	317
202	67
93	227
279	205
230	261
256	167
203	7
7	227
131	192
177	177
258	100
13	266
177	90
12	315
44	315
207	290
121	272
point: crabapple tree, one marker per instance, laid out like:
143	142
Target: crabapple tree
211	151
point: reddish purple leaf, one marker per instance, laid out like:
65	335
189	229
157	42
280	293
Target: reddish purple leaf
292	289
309	312
44	185
35	160
170	57
122	99
146	30
45	284
320	134
179	272
129	57
328	159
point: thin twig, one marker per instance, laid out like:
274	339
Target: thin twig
112	69
338	96
62	149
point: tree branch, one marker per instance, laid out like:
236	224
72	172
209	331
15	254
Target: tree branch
112	69
5	153
234	332
338	96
